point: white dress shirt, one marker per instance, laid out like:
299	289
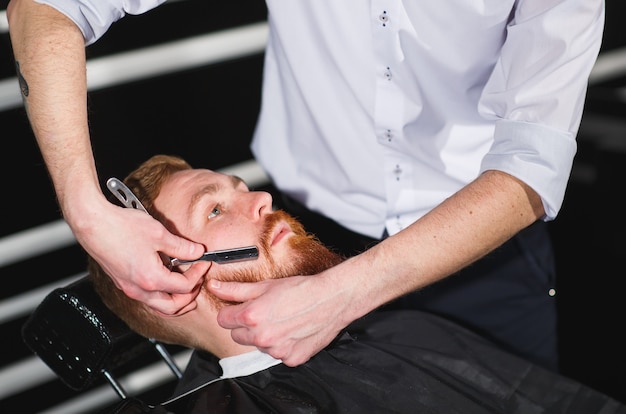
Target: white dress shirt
376	111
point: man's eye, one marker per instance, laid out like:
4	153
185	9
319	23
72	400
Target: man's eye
214	213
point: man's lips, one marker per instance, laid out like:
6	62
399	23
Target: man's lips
280	232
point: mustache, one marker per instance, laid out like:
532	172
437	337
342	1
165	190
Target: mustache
272	220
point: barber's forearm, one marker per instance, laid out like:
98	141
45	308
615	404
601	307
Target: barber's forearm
50	58
461	230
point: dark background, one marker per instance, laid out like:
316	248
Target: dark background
207	115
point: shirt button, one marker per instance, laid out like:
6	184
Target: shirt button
388	135
387	74
384	18
397	171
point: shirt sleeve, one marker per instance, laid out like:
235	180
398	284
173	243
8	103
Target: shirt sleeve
537	90
94	17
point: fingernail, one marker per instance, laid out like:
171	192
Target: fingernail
215	283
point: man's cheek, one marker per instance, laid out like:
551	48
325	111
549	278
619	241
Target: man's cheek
225	239
239	236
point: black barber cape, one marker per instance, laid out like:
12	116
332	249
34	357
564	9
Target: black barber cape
392	362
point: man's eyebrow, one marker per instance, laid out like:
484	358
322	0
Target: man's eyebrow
236	180
210	189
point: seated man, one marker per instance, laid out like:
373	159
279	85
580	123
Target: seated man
400	362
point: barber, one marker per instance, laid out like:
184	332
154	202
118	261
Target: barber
448	127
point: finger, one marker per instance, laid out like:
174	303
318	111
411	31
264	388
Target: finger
181	248
243	336
294	359
234	317
238	291
171	293
197	271
173	282
292	353
172	305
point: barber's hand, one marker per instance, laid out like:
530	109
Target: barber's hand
291	318
127	243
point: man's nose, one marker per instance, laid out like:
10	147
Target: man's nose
261	204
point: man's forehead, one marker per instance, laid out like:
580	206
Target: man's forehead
189	183
194	178
182	184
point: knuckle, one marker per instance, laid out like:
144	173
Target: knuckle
263	340
148	284
167	310
249	318
159	231
294	360
132	293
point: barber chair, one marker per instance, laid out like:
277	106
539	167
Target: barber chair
81	340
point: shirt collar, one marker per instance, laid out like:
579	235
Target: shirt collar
247	364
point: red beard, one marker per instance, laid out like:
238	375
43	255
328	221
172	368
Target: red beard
308	256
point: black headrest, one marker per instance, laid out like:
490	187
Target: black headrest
78	337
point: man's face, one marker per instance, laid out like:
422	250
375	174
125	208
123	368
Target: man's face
220	212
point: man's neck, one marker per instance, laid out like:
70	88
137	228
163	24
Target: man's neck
211	337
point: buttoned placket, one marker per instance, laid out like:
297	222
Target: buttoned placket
388	103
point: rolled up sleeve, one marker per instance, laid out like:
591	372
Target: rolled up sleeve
94	17
537	90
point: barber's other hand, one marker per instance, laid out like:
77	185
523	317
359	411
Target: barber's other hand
291	318
127	243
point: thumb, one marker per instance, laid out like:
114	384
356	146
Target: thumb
236	291
182	248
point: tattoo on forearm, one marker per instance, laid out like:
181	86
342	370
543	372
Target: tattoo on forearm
21	80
